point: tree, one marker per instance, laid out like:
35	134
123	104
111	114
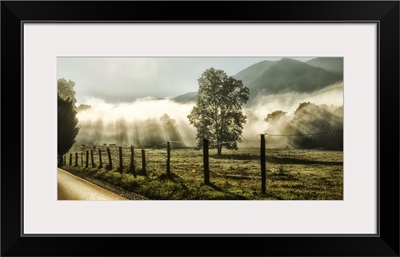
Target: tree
218	114
275	116
311	126
83	107
310	118
67	126
171	129
66	89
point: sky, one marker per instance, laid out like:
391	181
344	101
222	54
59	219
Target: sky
124	79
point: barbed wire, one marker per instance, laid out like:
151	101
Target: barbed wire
306	134
157	146
250	138
214	142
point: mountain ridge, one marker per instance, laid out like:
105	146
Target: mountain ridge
283	76
289	75
332	64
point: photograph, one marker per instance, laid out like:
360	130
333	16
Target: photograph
200	128
270	123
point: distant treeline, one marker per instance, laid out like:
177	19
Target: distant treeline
311	126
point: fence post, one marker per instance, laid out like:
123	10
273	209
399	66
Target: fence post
143	162
168	159
82	159
205	162
121	165
263	171
70	159
87	159
109	159
132	165
76	160
91	156
100	161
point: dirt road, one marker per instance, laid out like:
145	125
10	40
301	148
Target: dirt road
71	187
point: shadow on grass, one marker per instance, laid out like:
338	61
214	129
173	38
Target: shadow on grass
248	157
215	187
283	177
298	161
173	177
237	177
278	160
235	196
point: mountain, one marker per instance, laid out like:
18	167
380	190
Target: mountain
332	64
248	75
289	75
285	75
186	98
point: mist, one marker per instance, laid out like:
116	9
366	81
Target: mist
150	122
141	123
288	102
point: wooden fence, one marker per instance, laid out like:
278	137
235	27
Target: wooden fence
132	168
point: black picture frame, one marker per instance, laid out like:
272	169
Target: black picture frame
384	243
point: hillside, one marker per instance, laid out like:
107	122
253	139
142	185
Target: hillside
285	75
288	75
186	98
248	75
332	64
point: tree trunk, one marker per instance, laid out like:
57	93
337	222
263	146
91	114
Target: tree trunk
219	149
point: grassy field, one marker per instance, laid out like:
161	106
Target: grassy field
291	174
